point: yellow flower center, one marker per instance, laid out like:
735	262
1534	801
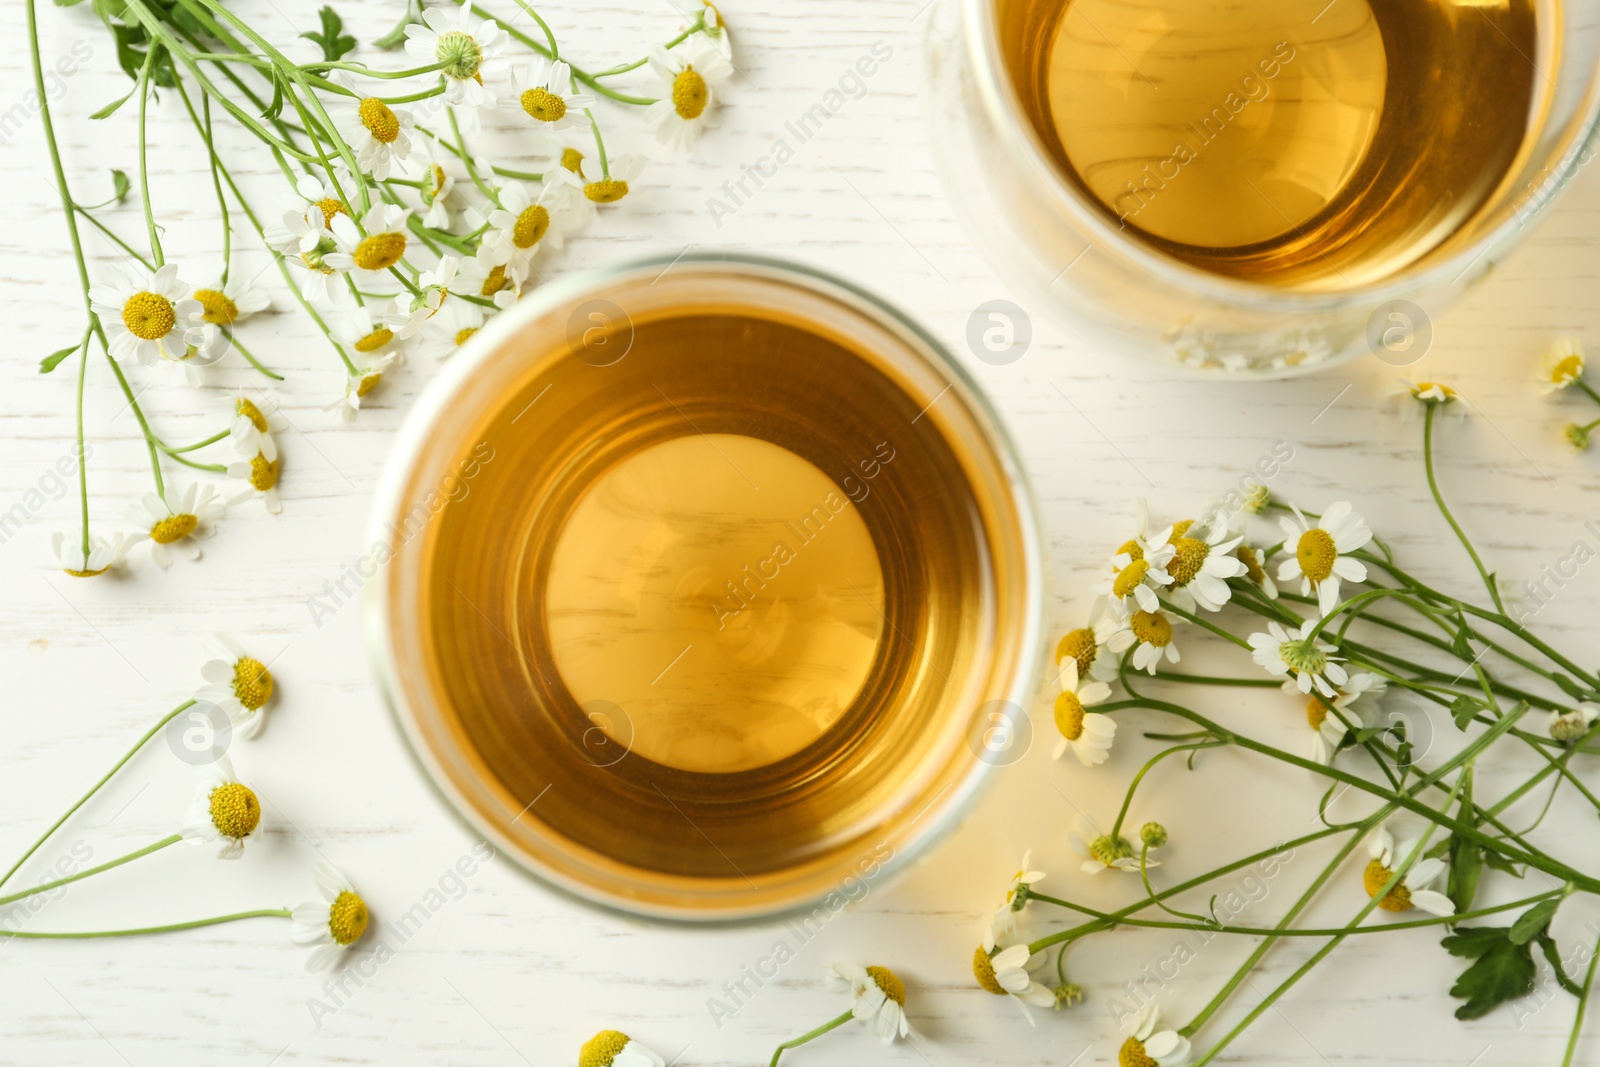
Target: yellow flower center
1444	393
149	316
531	226
460	54
329	206
1069	715
1316	553
347	917
380	251
368	383
1080	645
1316	713
543	105
689	94
1567	371
1252	565
263	473
1129	578
375	340
983	971
1191	556
462	335
892	987
572	160
606	191
252	682
602	1048
433	183
495	281
86	574
218	308
1131	549
1132	1054
1179	529
235	811
1376	877
1151	627
379	120
173	528
1108	849
249	410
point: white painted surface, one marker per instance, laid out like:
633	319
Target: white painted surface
507	973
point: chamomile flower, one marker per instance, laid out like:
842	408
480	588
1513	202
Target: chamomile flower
149	315
451	328
545	94
441	196
565	190
1137	570
1003	923
374	130
252	424
316	269
232	301
175	522
1351	708
526	224
877	997
1102	852
1257	500
305	213
1564	726
1201	566
1005	974
1321	553
359	384
385	242
613	184
1150	635
370	338
1412	891
1089	736
225	810
238	683
1087	648
1577	435
487	276
1255	570
103	555
261	477
1561	366
333	923
1151	1046
463	43
689	79
411	311
1309	660
705	14
613	1048
1415	397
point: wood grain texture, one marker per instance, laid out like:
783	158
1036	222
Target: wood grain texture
501	972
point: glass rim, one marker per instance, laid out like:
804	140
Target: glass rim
999	100
954	804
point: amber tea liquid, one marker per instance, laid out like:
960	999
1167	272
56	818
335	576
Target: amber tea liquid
1296	142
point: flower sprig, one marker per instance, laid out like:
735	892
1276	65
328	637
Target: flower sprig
394	230
1343	628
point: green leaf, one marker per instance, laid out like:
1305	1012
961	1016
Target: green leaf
397	36
107	111
1494	861
1501	970
53	360
1462	710
1553	955
332	39
119	184
1532	923
275	108
1569	687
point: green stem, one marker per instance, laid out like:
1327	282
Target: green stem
137	745
262	913
1133	786
1583	998
1461	535
119	242
810	1035
45	887
577	72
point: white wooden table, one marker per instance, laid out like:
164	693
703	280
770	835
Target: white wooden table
504	973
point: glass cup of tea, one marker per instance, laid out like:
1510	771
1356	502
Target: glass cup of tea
707	589
1257	186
